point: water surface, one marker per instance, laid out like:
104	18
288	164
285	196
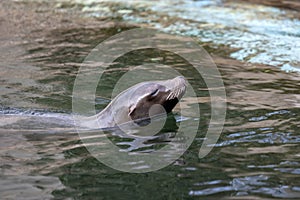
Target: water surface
254	33
257	155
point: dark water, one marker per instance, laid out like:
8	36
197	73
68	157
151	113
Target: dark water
257	155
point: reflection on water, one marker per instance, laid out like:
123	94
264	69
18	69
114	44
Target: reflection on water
255	33
43	157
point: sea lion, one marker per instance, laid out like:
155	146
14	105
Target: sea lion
132	106
135	103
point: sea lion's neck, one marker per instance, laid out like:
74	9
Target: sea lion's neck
105	118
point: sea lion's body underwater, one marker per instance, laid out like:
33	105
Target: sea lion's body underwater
138	102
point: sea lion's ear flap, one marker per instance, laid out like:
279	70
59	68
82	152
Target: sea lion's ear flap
131	110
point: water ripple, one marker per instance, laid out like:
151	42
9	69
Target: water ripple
260	34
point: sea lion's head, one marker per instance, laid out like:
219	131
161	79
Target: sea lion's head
166	94
134	103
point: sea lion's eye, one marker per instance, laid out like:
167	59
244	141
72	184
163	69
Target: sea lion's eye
154	93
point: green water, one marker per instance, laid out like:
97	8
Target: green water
256	157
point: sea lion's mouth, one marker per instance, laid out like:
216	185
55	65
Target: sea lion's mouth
176	93
170	104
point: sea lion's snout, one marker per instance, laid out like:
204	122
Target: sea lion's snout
164	93
177	87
